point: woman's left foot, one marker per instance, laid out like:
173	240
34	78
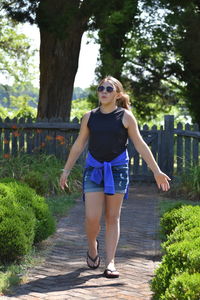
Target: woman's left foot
110	271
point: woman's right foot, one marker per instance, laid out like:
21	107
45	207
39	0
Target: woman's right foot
93	262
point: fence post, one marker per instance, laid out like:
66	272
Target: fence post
168	164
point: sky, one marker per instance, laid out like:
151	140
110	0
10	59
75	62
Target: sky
87	59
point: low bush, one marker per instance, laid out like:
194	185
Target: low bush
182	250
17	231
20	206
188	230
176	216
181	256
26	196
184	287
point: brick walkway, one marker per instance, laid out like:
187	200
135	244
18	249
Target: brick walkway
64	274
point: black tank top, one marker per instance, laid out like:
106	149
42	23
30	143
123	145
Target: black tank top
108	136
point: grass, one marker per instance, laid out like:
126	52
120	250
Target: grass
60	205
15	273
167	203
41	172
187	185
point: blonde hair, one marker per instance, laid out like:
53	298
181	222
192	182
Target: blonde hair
124	100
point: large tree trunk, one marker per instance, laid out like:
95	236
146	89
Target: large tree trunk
59	55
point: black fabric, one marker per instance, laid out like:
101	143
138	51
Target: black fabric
108	136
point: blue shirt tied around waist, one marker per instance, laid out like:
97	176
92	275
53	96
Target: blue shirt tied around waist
97	172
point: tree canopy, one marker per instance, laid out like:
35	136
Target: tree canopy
151	45
164	61
15	52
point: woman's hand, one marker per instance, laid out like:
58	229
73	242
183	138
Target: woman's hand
162	181
63	181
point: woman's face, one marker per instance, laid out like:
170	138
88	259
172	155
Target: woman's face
107	93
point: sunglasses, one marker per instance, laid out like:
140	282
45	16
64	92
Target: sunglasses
108	89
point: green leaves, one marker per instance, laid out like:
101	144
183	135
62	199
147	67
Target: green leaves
15	52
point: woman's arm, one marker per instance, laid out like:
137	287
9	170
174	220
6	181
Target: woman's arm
76	150
140	145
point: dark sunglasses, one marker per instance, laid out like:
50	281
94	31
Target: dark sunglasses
108	89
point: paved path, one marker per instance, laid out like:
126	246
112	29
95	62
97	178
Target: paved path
64	274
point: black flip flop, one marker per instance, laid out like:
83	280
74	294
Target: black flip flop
110	273
94	259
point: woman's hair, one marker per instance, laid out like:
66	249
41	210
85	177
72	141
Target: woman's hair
123	101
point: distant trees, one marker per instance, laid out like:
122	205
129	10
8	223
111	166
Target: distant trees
15	51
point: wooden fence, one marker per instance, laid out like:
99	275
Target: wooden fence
175	149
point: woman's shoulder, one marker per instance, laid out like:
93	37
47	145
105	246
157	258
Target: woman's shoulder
86	116
128	118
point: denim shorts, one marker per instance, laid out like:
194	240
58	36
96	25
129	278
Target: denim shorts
120	176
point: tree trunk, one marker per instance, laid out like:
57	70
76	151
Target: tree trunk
61	31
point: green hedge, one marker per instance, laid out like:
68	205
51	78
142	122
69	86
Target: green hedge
25	219
181	254
184	287
176	216
16	231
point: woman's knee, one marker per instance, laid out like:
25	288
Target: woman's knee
92	220
112	219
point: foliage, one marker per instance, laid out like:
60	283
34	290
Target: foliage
37	181
148	48
116	23
80	107
26	197
60	205
182	232
151	66
18	167
15	52
181	226
14	273
18	100
187	184
184	287
114	19
17	224
178	38
177	215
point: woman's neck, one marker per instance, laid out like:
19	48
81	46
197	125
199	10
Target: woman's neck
107	109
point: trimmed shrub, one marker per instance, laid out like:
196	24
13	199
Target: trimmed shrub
26	196
45	225
184	287
185	231
182	250
18	195
176	216
181	256
17	231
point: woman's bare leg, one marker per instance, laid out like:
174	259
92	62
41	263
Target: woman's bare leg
94	203
112	214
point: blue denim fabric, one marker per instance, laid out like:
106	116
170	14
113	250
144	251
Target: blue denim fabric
120	177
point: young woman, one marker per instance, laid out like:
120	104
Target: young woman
106	130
